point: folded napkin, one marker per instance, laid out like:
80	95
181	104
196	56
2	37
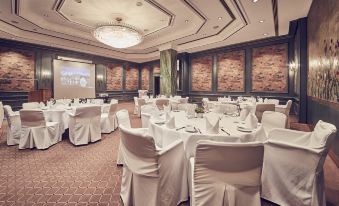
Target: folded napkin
251	121
170	124
167	108
212	125
168	116
243	114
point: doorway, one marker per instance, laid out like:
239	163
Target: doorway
156	88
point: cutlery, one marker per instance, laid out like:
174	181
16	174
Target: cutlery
199	131
222	129
181	128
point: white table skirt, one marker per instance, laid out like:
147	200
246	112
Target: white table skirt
164	136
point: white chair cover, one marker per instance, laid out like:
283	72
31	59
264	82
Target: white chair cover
141	102
84	125
147	111
272	101
135	111
261	108
108	120
113	101
36	132
13	126
285	109
271	120
293	165
2	114
123	119
31	105
183	100
218	180
152	177
161	102
59	116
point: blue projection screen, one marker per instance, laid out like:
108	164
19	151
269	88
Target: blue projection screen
73	79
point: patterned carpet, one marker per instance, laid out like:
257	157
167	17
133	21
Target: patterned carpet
64	174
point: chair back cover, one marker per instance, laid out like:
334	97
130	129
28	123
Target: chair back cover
113	101
150	109
123	118
8	113
322	135
87	112
272	101
139	159
112	109
31	105
32	118
2	114
161	102
271	120
261	108
227	173
288	107
183	100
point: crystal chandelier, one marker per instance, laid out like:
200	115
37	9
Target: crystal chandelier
118	35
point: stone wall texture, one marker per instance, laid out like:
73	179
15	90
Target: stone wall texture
16	69
231	69
270	69
114	74
201	70
145	81
132	78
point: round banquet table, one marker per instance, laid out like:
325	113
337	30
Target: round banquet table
164	136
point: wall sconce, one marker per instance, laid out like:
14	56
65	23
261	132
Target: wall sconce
293	66
100	77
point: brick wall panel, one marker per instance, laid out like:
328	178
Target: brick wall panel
231	68
114	77
132	78
145	81
202	73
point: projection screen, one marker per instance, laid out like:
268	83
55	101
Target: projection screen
73	79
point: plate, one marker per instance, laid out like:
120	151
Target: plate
244	129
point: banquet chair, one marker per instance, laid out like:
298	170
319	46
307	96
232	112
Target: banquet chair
285	109
271	120
123	119
261	108
183	100
135	111
13	126
152	176
31	105
161	102
141	102
217	180
2	114
57	115
108	120
84	125
293	165
36	132
147	111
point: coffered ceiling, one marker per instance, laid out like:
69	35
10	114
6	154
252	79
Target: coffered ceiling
185	25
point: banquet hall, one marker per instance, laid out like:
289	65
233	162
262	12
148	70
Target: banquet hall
166	103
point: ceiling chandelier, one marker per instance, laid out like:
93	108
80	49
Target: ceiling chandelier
118	34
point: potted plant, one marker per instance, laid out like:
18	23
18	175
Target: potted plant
200	112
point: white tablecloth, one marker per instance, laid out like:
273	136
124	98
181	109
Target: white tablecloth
164	136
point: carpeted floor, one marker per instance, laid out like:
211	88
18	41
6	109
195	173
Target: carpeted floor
68	175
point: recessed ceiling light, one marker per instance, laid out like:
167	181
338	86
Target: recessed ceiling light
14	22
139	3
219	17
78	1
261	21
186	21
265	34
254	1
215	27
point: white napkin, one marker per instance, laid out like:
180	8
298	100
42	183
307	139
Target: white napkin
168	116
243	114
170	124
251	121
167	108
212	125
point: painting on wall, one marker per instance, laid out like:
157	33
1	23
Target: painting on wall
16	69
132	78
201	71
270	69
231	69
323	47
145	81
114	74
